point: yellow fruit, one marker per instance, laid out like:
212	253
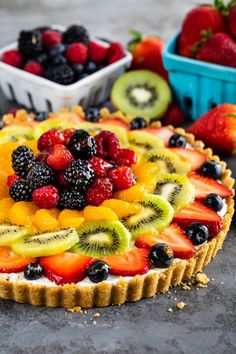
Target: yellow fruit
145	174
45	220
4	189
121	208
92	213
5	156
72	218
22	213
131	194
139	155
5	206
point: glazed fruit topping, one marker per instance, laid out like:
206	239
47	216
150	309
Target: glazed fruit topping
138	123
100	190
22	160
193	157
11	262
50	138
92	114
121	177
79	174
107	145
198	233
33	271
46	197
11	179
177	140
211	169
125	157
214	202
60	157
20	191
161	255
98	271
100	166
82	145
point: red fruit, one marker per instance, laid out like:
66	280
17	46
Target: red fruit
13	57
13	111
66	267
61	179
147	53
107	145
77	53
11	179
204	186
11	262
115	121
163	133
203	17
43	155
231	19
51	38
68	134
174	237
197	212
115	52
60	157
50	138
130	263
97	52
174	116
46	197
193	157
100	166
100	190
121	177
125	157
34	68
217	128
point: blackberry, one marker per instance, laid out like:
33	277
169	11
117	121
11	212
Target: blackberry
22	160
40	175
20	191
61	74
30	43
92	114
71	199
76	33
79	174
82	145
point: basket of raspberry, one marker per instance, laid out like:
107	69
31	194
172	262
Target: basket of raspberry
201	59
53	67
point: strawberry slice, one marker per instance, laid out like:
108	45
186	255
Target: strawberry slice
199	212
11	262
65	267
174	237
130	263
193	157
115	121
164	133
205	185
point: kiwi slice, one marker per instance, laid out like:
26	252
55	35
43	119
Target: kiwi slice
45	244
10	233
175	188
157	213
16	133
143	141
167	161
102	238
141	93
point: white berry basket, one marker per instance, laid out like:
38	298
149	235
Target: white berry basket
41	94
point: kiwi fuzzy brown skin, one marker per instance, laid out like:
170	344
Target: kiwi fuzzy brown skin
10	233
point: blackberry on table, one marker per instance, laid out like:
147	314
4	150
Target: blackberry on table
30	43
76	33
61	74
22	160
71	199
82	145
20	191
79	174
40	175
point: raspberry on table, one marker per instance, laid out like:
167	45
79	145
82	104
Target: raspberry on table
100	166
76	33
51	38
100	190
82	145
121	177
115	52
77	53
50	138
13	57
40	175
79	174
61	74
46	197
34	67
20	191
71	199
125	157
108	145
97	52
22	160
60	157
30	43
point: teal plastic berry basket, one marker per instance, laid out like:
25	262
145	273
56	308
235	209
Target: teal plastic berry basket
198	86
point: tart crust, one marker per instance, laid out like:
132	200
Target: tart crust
141	286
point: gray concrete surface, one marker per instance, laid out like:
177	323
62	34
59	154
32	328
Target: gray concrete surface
208	322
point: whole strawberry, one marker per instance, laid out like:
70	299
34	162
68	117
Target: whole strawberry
203	17
147	53
231	18
174	116
219	49
217	128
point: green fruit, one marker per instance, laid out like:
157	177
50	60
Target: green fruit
157	214
167	161
143	141
102	238
45	244
175	188
16	133
10	233
141	93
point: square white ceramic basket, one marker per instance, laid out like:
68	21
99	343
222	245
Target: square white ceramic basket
44	95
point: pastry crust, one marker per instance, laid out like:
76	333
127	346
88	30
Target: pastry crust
141	286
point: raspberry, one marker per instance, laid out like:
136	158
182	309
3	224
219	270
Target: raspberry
61	74
60	179
12	57
100	166
43	155
30	43
100	190
76	33
11	179
121	177
97	52
39	176
77	53
79	174
20	191
82	145
71	199
60	158
49	139
115	52
68	134
46	197
34	67
126	157
107	145
174	116
51	38
22	160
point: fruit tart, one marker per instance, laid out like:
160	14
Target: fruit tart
98	208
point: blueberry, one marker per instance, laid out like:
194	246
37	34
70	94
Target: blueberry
33	271
197	232
59	59
57	50
177	140
98	271
161	255
211	169
92	114
41	116
138	123
214	202
42	58
91	67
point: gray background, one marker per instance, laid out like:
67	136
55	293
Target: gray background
208	322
